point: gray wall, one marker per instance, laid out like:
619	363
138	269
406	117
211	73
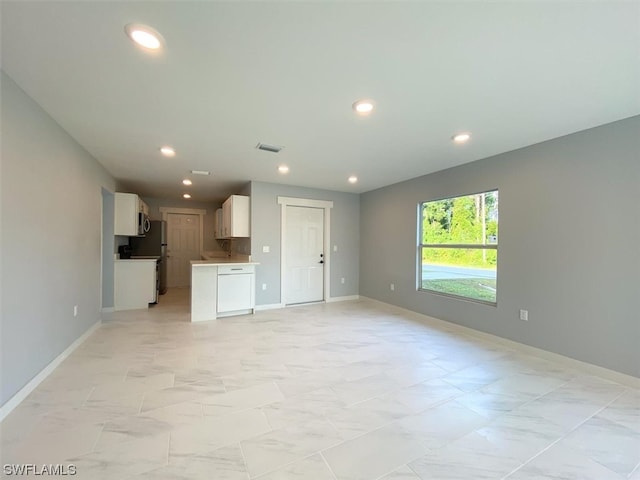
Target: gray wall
108	248
265	230
51	235
569	248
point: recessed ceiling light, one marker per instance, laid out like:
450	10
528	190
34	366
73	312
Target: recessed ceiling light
186	181
200	172
353	179
461	137
363	107
186	195
283	169
168	151
144	36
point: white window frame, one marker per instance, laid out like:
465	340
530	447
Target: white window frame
421	246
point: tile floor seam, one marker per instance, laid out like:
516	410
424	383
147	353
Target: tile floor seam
95	442
402	465
168	447
279	389
244	460
566	435
635	469
144	395
396	420
266	418
283	466
413	470
84	402
350	439
428	450
533	399
333	474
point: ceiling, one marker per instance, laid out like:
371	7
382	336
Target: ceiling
232	74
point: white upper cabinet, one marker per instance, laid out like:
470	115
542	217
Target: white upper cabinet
235	218
143	207
218	227
126	209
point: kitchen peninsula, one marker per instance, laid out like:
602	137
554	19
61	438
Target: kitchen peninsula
222	286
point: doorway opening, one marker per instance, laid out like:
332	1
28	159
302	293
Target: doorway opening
184	243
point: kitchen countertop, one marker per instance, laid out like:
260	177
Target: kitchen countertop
215	259
221	261
138	259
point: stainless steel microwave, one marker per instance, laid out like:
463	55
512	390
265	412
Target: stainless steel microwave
143	223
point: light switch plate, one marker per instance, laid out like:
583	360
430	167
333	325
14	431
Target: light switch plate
266	249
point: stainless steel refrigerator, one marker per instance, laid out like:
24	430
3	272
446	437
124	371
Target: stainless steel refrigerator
153	244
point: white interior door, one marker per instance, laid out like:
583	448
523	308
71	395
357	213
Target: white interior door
304	255
183	245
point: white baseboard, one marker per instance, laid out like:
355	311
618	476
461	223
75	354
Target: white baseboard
14	401
275	306
569	362
343	299
108	310
271	306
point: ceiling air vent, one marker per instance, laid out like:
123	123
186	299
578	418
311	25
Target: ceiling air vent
269	148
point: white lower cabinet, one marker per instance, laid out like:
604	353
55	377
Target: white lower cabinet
221	290
134	284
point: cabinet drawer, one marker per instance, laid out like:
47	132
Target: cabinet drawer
232	269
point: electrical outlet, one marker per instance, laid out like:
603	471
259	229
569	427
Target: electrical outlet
524	315
264	286
75	310
342	280
392	287
335	248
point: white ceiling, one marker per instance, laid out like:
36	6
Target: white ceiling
233	74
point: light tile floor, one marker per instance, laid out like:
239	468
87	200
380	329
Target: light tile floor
348	391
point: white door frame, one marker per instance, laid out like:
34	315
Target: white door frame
165	211
327	205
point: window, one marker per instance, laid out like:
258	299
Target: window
458	248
